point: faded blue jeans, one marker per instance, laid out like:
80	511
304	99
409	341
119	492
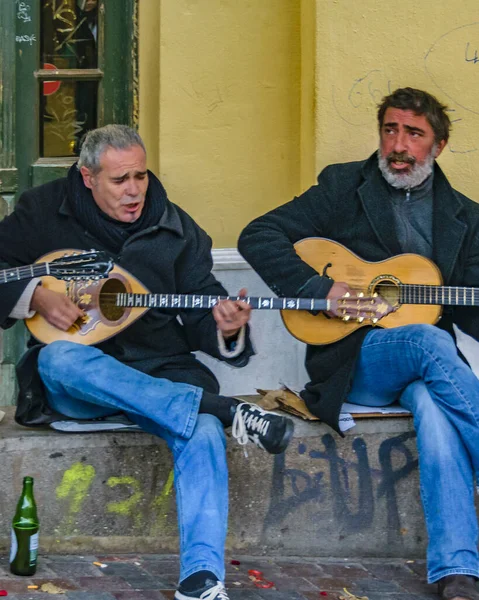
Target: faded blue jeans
82	382
419	366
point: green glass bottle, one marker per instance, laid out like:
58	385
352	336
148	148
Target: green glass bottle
24	550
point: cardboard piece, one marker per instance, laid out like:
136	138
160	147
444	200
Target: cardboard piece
287	401
291	402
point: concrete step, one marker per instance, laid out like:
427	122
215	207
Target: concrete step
326	496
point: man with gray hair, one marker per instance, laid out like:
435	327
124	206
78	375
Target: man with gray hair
148	371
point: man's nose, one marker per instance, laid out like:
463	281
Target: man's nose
400	142
132	188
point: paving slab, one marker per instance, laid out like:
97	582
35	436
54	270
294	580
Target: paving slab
154	577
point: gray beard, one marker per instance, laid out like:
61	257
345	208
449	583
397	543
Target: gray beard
416	175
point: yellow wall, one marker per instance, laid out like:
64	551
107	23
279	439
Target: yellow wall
242	102
227	140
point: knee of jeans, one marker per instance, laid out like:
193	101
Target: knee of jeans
208	431
56	356
431	337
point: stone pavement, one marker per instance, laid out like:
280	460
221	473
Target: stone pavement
153	577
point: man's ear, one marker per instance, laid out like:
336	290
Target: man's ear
87	177
440	147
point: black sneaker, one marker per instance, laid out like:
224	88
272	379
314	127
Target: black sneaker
267	430
213	590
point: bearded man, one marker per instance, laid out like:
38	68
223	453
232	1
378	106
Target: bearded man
397	201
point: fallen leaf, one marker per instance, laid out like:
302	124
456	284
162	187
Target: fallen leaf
350	596
51	588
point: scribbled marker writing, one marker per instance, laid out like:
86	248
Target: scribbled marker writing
474	59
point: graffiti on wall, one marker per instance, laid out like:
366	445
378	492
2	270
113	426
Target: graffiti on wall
335	478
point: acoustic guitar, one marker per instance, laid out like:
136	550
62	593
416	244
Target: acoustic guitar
410	285
113	304
69	265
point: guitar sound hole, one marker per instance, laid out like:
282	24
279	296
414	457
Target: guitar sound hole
388	290
107	300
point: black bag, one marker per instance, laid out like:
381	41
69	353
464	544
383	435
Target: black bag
32	406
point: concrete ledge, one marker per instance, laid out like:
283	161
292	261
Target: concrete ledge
327	496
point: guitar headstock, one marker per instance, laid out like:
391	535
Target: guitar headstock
361	308
91	264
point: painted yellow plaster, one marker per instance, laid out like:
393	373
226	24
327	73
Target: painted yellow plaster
229	104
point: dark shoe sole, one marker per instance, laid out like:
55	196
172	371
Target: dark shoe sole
287	437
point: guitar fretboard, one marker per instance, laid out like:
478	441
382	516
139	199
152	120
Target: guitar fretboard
438	294
19	273
194	301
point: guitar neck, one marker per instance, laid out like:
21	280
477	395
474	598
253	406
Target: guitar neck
439	294
194	301
19	273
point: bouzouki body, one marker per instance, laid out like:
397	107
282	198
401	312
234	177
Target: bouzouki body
111	305
102	319
366	277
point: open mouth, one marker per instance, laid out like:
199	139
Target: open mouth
400	162
133	207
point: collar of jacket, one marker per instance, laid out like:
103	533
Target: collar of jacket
448	229
169	220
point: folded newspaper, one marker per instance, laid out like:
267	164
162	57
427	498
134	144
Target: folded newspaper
289	400
112	423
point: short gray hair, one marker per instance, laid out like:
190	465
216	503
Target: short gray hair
99	140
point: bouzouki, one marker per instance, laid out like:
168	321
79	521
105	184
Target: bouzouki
68	265
410	285
112	304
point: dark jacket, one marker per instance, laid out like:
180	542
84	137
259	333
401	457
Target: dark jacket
173	256
350	204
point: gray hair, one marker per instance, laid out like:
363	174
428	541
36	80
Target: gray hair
99	140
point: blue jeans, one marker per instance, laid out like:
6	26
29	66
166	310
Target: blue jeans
419	366
82	382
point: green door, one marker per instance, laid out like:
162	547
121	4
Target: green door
66	66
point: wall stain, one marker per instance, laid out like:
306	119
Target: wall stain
128	507
75	484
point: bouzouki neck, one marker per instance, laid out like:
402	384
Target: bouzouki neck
207	302
19	273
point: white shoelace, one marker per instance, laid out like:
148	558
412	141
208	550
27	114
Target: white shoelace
256	423
218	592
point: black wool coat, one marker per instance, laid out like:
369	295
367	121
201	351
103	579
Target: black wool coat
351	205
173	256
